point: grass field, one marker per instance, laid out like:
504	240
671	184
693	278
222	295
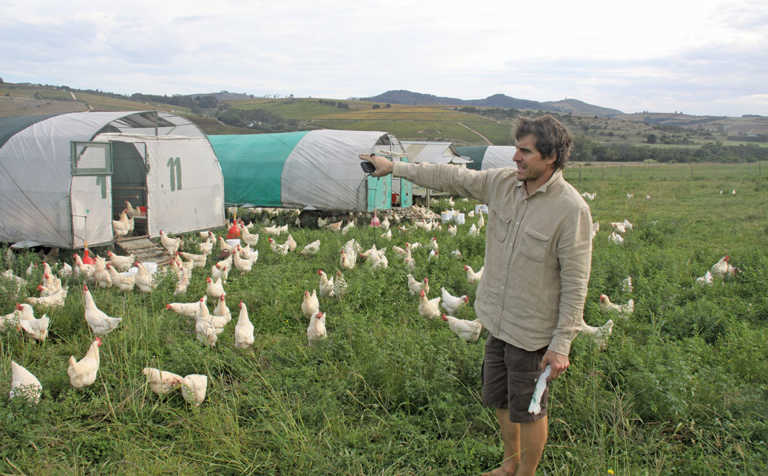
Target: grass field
681	388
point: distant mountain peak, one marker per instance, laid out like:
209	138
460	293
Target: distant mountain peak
574	106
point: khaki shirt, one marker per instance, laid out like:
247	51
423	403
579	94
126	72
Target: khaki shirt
538	253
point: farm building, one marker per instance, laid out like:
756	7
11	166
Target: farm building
434	152
315	170
489	156
65	177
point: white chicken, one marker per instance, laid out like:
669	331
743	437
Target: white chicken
723	268
309	303
243	329
24	312
705	280
348	227
121	263
213	288
311	249
457	254
188	309
275	230
170	244
198	260
452	230
249	238
326	285
181	285
205	329
335	226
100	274
83	372
385	224
480	222
615	238
221	313
24	384
36	328
378	260
599	334
57	299
122	226
162	382
387	235
281	249
250	254
206	247
472	276
415	287
429	308
242	265
433	254
224	246
291	243
143	279
452	303
316	328
220	272
619	227
50	284
346	261
83	269
122	281
473	231
193	389
339	285
622	309
466	330
130	211
100	323
65	271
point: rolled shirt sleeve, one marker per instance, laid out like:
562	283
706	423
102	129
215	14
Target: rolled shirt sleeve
446	178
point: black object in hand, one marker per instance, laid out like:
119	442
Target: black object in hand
367	167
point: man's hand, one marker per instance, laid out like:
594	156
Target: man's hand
383	165
558	363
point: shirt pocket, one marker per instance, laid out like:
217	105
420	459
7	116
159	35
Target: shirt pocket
534	245
500	224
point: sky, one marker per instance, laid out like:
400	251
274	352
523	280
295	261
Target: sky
704	57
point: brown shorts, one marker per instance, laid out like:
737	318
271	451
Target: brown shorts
509	378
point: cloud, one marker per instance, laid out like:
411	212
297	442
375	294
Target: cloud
694	56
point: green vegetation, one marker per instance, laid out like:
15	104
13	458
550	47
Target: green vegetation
681	388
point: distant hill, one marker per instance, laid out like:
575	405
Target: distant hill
573	106
581	108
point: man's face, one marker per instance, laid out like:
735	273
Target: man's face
530	164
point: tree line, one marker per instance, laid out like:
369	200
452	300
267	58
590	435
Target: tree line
588	150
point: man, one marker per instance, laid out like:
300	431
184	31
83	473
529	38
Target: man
537	261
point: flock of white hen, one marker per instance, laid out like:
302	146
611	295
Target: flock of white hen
127	274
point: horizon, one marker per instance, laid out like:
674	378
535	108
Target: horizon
700	58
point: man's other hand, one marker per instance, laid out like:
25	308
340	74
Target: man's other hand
383	165
558	363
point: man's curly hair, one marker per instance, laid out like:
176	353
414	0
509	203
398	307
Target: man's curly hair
552	138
